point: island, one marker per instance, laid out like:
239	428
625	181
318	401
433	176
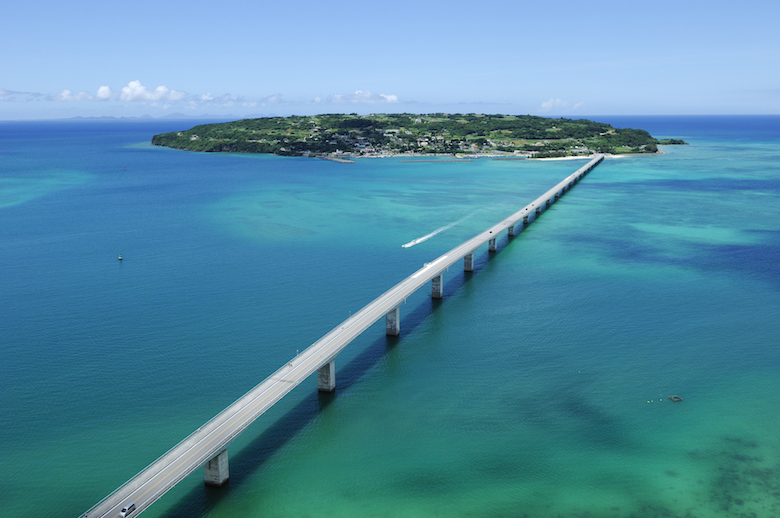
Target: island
342	136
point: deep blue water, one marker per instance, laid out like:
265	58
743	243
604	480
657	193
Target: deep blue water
537	387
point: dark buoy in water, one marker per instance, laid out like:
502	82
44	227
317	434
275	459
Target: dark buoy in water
120	256
675	398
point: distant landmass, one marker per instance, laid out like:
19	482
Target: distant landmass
171	116
460	135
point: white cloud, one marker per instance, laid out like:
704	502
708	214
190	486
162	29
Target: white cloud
359	97
558	105
104	93
10	96
135	91
208	99
273	99
67	95
223	100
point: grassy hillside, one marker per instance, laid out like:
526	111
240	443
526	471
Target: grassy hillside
392	134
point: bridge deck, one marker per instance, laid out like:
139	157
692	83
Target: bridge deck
211	438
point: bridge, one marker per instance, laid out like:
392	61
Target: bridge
207	446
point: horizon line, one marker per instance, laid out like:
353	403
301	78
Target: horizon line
181	116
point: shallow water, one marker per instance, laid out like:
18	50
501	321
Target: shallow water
537	387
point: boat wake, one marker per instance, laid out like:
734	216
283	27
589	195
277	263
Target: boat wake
437	231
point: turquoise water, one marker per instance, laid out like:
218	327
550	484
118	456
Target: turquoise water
537	387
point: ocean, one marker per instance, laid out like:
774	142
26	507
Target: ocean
537	387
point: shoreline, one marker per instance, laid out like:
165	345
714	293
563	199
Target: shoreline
337	159
444	160
409	158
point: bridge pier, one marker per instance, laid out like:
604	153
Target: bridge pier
164	473
437	286
215	471
492	245
468	262
326	377
511	231
393	322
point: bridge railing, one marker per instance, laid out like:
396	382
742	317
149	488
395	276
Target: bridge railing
160	464
167	458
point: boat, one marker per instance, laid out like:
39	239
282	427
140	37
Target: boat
675	398
120	256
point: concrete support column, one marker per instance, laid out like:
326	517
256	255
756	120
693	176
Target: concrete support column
394	322
492	245
326	377
215	471
437	286
525	220
538	210
547	203
468	262
511	231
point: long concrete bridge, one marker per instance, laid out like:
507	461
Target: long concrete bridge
207	446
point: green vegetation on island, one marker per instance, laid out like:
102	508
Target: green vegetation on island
338	135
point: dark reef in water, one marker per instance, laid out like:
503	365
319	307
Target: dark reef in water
744	484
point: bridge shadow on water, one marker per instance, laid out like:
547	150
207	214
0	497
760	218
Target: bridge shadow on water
244	463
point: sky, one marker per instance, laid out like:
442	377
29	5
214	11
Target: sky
237	58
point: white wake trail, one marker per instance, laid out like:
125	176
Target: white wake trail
437	231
